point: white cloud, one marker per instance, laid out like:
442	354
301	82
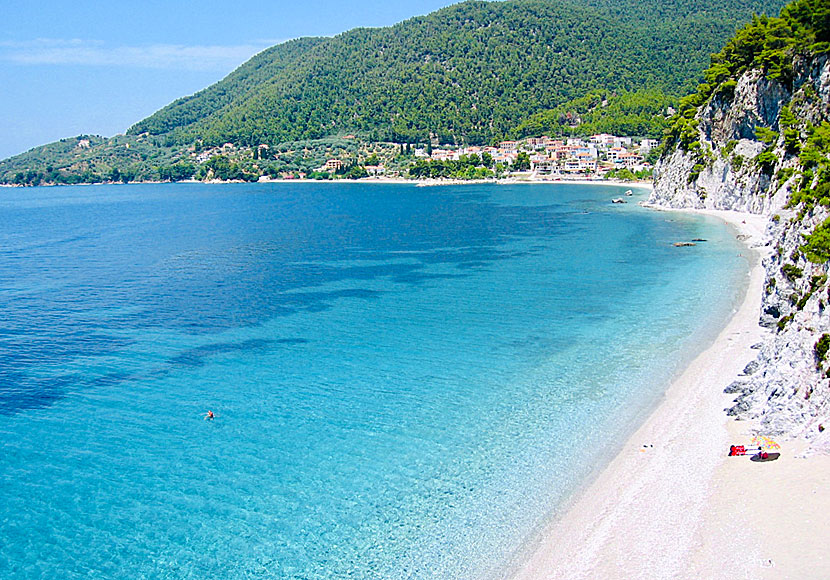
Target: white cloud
47	51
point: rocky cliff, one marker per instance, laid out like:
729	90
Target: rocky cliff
757	144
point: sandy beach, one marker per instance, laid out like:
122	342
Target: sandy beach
673	505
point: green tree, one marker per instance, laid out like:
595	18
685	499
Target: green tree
522	162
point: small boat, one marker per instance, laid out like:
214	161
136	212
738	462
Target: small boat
683	244
629	193
618	200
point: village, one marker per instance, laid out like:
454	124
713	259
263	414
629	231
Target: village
544	158
537	158
559	158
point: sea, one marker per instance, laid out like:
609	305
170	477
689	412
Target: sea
406	382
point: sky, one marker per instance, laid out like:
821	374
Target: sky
96	67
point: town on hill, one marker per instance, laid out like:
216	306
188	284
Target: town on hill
595	157
598	156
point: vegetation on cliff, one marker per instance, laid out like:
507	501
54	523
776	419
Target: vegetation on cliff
765	92
766	44
755	137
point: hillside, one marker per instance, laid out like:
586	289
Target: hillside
471	72
755	137
475	72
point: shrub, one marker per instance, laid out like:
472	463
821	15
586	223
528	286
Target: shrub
821	348
784	174
766	160
727	88
817	246
766	136
729	148
791	271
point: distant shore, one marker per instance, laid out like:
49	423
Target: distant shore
396	180
671	504
521	179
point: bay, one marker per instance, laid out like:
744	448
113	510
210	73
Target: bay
407	381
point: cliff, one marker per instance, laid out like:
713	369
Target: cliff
757	140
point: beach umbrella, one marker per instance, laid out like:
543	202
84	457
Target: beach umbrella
765	442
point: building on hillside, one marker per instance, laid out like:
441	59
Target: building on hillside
572	165
508	146
562	152
505	158
543	165
587	161
627	160
333	165
615	153
375	170
646	145
537	158
444	155
590	150
602	140
538	142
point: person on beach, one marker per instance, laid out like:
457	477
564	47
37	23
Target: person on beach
209	416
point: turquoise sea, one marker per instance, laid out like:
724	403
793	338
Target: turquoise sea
407	382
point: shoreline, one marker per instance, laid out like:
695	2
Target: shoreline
379	180
660	511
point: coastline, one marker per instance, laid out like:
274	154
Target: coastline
384	180
682	509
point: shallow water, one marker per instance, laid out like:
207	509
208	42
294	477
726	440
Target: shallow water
407	381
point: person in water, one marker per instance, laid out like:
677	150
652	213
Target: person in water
209	416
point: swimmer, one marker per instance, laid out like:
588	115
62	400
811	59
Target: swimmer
209	416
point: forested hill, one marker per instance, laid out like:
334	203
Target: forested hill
471	72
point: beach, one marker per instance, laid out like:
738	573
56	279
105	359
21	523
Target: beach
671	504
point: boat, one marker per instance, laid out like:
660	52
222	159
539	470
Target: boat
618	200
629	193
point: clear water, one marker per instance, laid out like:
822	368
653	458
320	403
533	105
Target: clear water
407	381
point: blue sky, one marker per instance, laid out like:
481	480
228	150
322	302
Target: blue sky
97	67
